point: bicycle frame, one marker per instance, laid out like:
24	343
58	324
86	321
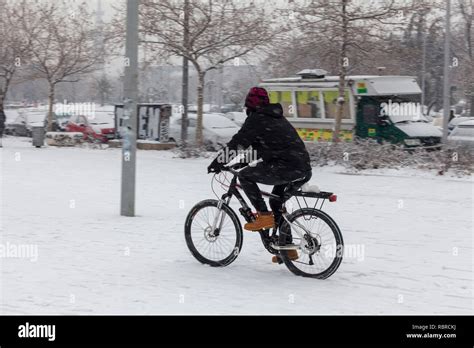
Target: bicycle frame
245	209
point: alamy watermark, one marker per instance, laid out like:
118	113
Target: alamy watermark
237	156
87	109
402	110
19	251
349	251
28	330
65	108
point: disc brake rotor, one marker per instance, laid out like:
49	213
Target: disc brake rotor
209	235
309	245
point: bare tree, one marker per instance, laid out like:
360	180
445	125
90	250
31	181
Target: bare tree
419	50
346	26
185	77
103	88
219	31
17	28
64	49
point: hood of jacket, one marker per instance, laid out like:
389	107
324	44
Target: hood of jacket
272	110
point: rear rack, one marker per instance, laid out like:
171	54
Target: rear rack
322	194
319	196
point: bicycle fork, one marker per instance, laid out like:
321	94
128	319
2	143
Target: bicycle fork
219	218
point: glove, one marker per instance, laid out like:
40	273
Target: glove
215	167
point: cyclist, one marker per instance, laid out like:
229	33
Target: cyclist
284	155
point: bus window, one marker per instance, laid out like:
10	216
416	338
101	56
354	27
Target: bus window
330	105
284	98
308	104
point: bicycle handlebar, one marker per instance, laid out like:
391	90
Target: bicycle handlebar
228	166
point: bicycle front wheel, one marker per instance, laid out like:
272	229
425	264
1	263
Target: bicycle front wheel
214	236
320	251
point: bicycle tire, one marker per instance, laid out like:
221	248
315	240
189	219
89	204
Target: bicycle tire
337	235
189	240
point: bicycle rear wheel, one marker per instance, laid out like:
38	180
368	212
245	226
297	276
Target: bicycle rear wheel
320	252
215	248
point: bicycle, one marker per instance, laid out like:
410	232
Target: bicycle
221	241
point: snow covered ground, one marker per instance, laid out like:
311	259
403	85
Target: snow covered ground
413	234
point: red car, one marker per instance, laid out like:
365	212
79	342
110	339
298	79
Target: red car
95	128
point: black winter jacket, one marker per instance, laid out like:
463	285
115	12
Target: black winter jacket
274	138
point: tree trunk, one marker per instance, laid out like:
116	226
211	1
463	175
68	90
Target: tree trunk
472	103
200	101
50	107
220	97
342	75
3	95
2	115
430	106
184	102
185	80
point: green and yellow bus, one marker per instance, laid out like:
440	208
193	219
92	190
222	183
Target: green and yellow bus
380	107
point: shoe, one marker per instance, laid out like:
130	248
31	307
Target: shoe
292	255
263	221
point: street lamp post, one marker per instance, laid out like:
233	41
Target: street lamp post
446	85
130	93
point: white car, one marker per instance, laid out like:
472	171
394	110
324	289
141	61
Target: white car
217	130
457	120
463	134
236	117
24	122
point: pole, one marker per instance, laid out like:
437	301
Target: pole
220	87
185	81
130	94
446	86
423	66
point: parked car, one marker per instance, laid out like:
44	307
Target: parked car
11	115
231	107
417	133
236	117
457	120
463	134
207	108
18	127
61	121
95	128
217	130
26	119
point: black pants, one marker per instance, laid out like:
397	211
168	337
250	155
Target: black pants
269	174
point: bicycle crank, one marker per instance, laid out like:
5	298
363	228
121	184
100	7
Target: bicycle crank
285	247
